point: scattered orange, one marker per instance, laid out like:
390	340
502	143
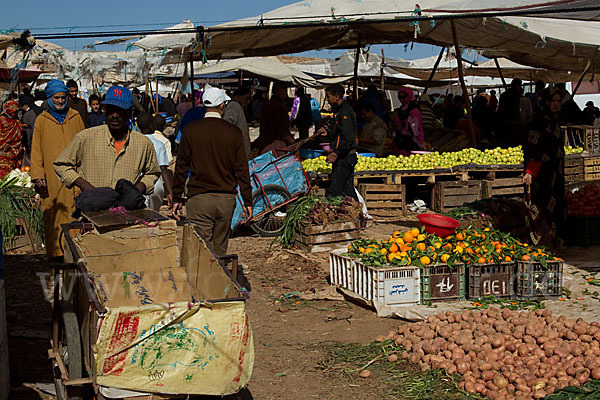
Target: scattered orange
526	258
425	260
460	236
481	260
445	257
394	248
396	234
421	246
415	232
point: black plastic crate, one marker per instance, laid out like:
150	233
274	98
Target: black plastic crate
442	283
583	231
491	280
535	281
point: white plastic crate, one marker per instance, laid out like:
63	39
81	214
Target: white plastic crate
390	286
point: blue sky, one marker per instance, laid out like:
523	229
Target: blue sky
108	15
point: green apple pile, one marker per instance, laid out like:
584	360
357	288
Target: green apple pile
573	150
498	156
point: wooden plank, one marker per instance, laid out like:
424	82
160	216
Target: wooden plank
382	196
457	201
382	204
462	190
385	187
308	229
329	238
505	191
507	182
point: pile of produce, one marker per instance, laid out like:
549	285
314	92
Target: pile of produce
469	246
510	156
584	202
18	201
316	210
505	354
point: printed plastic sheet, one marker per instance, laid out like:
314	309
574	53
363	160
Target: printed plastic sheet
182	348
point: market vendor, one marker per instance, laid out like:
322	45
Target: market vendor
544	171
343	139
100	156
374	133
53	131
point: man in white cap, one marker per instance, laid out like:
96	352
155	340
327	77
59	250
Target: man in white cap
212	152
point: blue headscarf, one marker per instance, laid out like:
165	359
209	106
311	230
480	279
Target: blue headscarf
53	87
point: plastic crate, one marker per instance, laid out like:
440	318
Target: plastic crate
534	281
491	280
583	231
390	286
441	283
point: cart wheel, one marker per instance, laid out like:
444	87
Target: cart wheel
69	348
271	223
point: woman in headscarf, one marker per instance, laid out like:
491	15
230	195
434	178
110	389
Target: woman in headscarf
53	131
409	124
544	171
11	138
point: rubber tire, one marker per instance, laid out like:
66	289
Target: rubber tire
258	196
70	328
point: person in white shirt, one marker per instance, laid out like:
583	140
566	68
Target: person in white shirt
159	123
154	200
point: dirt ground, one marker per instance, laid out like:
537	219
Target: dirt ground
291	334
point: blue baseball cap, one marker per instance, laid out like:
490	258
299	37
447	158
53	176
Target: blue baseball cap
119	96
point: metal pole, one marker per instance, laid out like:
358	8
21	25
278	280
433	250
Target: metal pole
462	82
435	67
356	55
500	73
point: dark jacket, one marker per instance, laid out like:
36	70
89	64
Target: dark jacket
213	150
97	119
80	106
344	137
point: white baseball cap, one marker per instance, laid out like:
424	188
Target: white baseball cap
214	97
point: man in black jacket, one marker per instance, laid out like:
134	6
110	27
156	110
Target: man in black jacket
343	139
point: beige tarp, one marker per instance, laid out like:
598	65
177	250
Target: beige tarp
542	42
268	67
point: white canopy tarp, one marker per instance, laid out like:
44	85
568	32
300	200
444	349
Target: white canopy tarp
268	67
551	43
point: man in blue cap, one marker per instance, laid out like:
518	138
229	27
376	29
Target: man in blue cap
53	131
100	156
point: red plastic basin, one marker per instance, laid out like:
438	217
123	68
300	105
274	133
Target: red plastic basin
438	224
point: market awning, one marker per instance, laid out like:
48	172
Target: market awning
544	42
267	67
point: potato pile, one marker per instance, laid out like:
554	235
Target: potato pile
504	354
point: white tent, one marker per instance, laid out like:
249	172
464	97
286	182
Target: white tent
268	67
545	42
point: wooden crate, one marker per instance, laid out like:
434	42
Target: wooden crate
316	238
502	187
449	195
384	201
587	136
373	177
574	169
591	168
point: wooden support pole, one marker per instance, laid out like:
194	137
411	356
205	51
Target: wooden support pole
500	73
435	67
156	109
382	70
587	68
356	57
461	78
192	72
